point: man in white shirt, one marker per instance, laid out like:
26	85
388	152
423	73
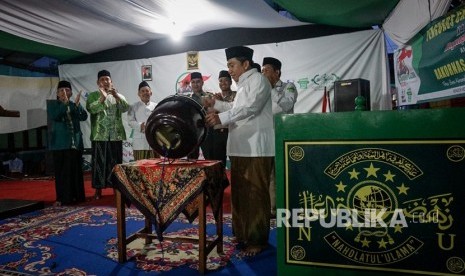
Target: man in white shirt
283	95
283	98
250	148
138	114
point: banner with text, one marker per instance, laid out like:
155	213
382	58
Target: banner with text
375	205
432	65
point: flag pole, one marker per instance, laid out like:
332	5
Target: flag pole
329	100
325	99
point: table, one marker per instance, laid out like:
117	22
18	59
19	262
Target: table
163	189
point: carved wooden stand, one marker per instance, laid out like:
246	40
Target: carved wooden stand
205	247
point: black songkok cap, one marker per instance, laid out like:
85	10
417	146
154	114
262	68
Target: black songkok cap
273	62
257	66
196	75
103	73
224	74
239	51
143	84
65	84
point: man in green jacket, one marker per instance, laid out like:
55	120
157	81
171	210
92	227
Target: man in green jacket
66	144
107	131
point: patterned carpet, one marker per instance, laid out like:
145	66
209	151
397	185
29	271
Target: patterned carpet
82	241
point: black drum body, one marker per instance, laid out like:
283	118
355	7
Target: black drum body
176	126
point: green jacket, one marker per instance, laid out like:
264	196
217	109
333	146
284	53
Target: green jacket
105	118
62	134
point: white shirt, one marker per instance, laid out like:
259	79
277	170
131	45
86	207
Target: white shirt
249	117
138	113
283	97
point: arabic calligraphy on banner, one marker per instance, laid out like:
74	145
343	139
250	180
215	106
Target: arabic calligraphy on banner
376	205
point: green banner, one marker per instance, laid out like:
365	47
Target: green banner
375	205
432	65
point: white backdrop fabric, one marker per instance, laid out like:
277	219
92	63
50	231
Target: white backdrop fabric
311	64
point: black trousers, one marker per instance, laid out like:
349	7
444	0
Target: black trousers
105	155
69	180
214	146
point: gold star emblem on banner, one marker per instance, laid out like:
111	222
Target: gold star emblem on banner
353	174
341	187
371	171
402	189
382	243
389	176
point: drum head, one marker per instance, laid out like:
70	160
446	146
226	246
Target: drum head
176	126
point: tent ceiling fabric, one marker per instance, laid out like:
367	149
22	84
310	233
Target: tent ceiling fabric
71	29
348	13
14	43
89	26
